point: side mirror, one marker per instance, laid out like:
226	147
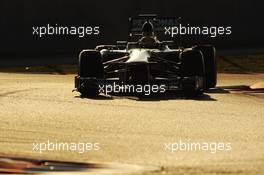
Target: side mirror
168	43
121	44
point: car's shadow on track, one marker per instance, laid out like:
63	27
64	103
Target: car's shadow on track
218	90
99	97
175	96
179	96
157	97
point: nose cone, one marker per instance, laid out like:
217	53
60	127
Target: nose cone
138	55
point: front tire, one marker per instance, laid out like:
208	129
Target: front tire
192	65
90	66
208	52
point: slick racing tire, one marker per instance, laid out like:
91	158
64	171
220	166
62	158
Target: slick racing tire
90	66
192	65
208	52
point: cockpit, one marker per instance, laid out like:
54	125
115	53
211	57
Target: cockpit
148	38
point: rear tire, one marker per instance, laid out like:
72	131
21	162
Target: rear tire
90	66
208	52
192	65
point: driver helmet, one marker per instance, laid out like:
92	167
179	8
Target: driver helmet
147	29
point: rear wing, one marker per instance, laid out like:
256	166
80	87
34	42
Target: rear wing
159	24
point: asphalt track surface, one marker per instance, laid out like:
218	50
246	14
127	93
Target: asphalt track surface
35	108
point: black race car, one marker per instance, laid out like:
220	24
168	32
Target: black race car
146	61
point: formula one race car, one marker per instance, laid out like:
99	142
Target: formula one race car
130	66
